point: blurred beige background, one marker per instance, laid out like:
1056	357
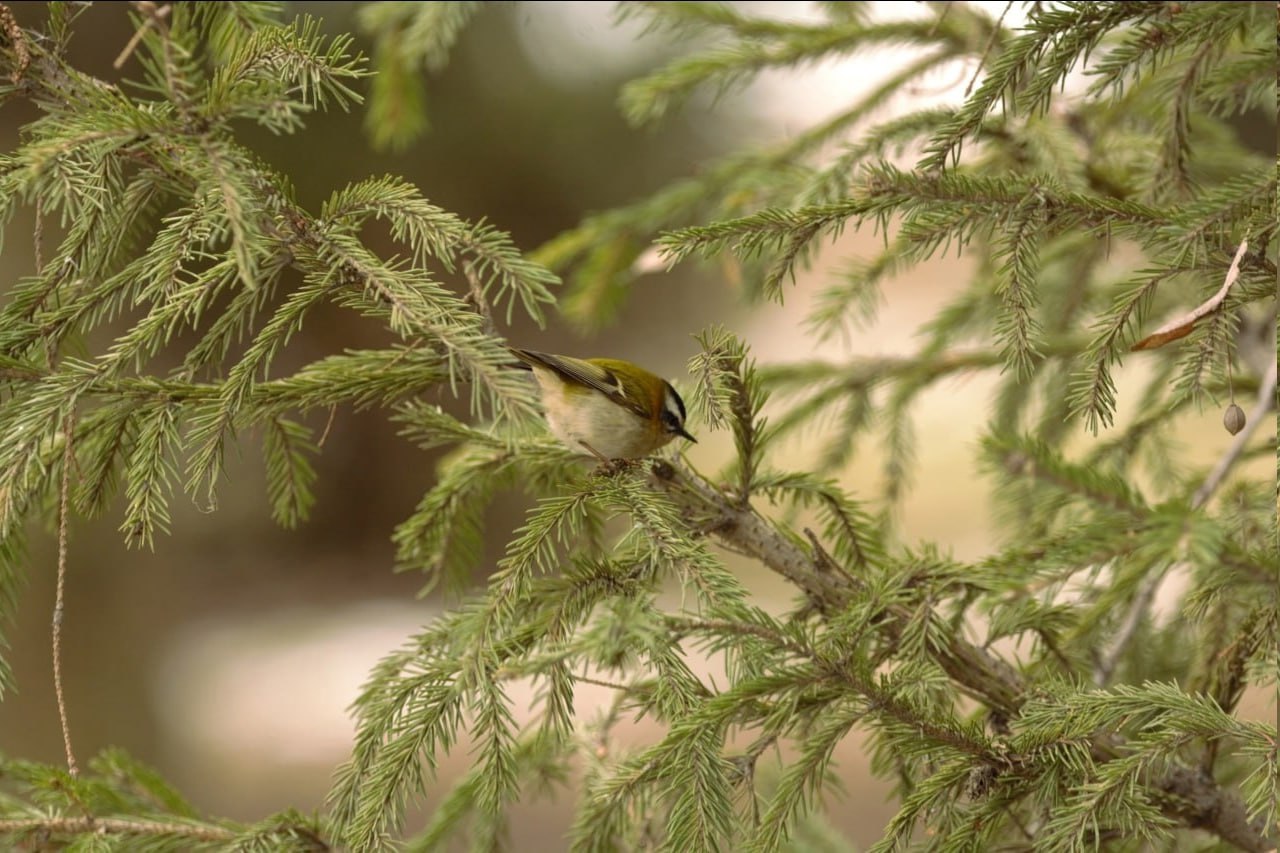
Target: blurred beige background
227	658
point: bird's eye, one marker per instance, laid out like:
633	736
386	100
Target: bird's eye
671	422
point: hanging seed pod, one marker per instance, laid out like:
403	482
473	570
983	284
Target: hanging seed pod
1233	419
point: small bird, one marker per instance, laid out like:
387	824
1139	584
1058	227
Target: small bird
613	409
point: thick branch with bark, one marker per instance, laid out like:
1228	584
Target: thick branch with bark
1191	797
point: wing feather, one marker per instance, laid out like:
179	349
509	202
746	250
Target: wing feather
583	372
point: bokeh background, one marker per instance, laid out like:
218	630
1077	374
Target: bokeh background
228	656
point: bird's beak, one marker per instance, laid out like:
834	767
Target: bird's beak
684	434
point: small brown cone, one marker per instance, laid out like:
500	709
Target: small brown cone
1233	419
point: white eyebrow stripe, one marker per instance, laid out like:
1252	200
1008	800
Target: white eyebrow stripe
669	405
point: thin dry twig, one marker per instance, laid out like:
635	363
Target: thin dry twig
1180	327
60	595
37	235
986	51
600	682
1105	665
610	719
154	16
328	425
937	22
1263	403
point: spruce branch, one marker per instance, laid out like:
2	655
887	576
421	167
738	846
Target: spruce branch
973	669
1200	804
730	394
732	65
170	834
966	677
117	801
537	761
1152	47
1176	151
1092	392
1030	66
413	304
80	826
747	532
1140	607
940	209
407	37
880	698
607	247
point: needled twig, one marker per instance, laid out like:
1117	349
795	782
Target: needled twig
1146	592
1193	798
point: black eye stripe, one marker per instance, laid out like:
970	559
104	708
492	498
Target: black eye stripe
672	395
671	421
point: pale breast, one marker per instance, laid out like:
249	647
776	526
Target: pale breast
614	432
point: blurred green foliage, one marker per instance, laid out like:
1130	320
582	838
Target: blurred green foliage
1030	697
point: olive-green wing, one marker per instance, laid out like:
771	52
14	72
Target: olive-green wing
581	371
